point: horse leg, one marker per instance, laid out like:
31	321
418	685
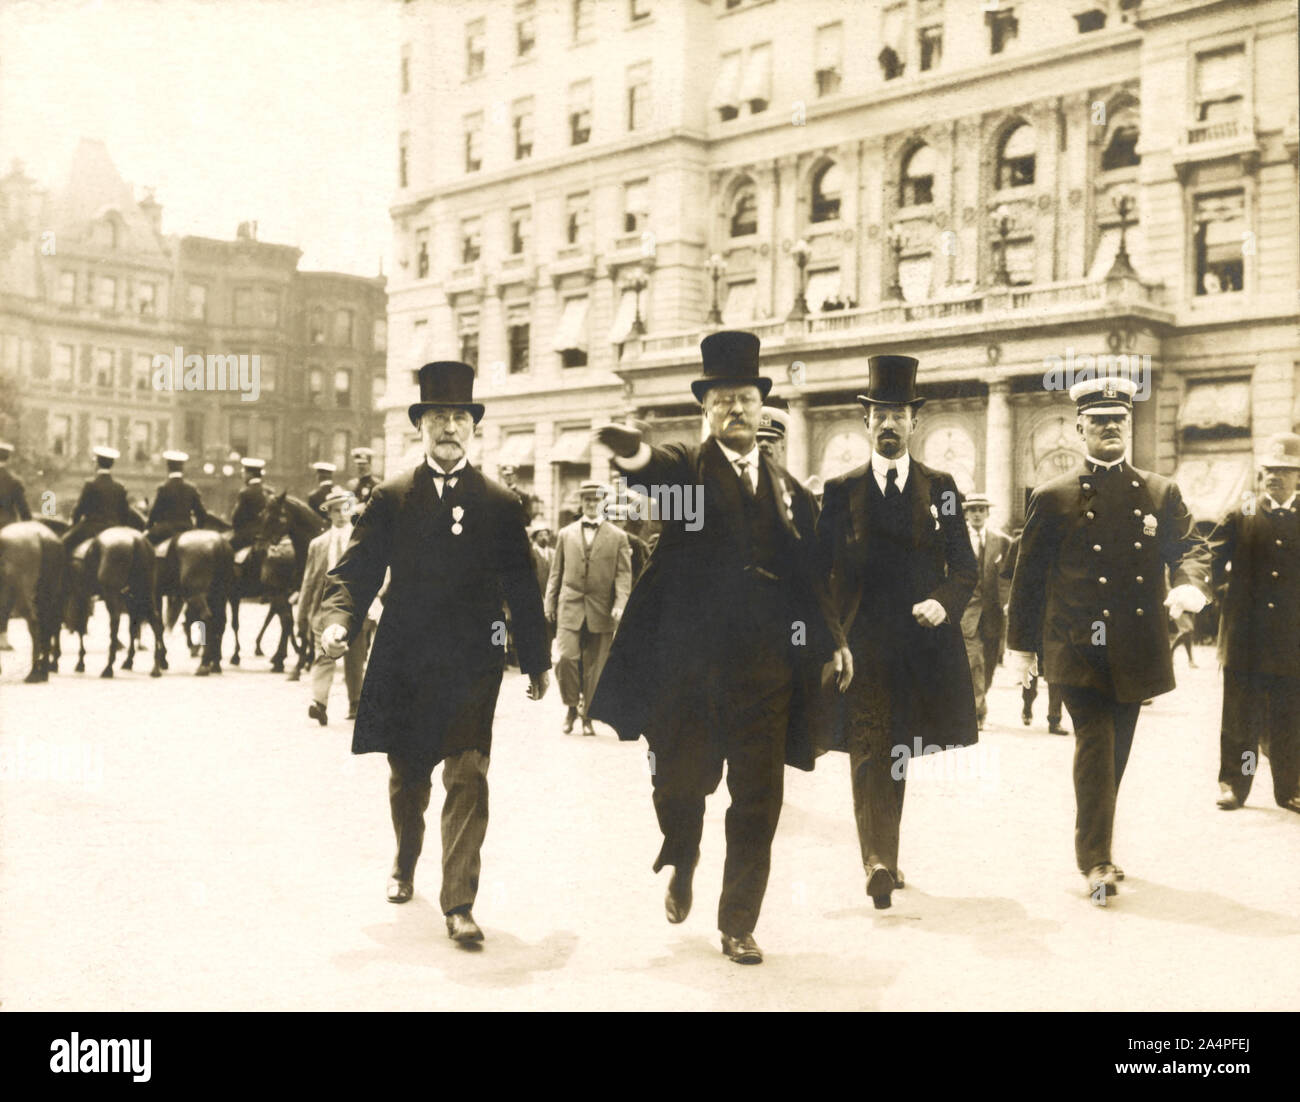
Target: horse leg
280	608
81	649
114	618
132	630
257	645
234	628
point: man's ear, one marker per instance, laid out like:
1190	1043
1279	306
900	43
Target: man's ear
1078	426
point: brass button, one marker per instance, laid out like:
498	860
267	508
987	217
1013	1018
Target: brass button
1275	573
1087	485
1279	543
1091	515
1137	545
1096	547
1138	579
1137	512
1105	612
1134	484
1139	612
1270	604
1102	580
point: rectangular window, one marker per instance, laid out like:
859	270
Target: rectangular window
638	95
103	361
1003	28
141	441
270	303
522	122
931	43
265	430
830	58
580	112
61	435
571	334
270	365
315	445
196	301
583	19
243	306
422	253
517	338
315	385
525	29
106	292
521	219
1218	237
379	387
343	319
62	360
142	373
342	440
194	432
474	142
636	206
68	288
893	34
406	69
316	325
403	159
239	438
379	335
343	388
475	55
1220	84
467	331
146	299
469	240
756	89
101	432
577	216
725	98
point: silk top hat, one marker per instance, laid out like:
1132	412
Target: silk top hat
443	384
1281	450
1109	394
892	382
730	357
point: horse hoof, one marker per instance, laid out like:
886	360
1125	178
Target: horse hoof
107	672
34	677
257	652
202	671
162	662
155	672
128	665
81	667
216	667
277	667
194	652
293	675
234	660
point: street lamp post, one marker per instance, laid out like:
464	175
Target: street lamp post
717	269
801	252
1122	268
639	284
1003	216
896	240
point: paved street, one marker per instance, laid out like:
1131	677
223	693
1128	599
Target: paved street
201	844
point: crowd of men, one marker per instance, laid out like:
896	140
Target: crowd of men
866	617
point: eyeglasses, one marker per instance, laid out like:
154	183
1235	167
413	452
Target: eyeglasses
440	418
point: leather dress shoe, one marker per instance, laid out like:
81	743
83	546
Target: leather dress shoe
587	728
1228	799
569	718
677	900
743	950
1101	883
1054	728
400	891
880	882
462	927
352	711
317	712
898	880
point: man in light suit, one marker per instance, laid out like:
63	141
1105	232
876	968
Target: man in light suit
984	618
590	579
323	554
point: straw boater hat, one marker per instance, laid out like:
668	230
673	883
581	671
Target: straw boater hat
730	357
445	384
977	501
589	488
363	453
337	496
892	382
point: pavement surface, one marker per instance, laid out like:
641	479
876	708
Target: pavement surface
199	843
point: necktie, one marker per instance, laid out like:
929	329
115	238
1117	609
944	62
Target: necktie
742	467
336	549
442	481
891	483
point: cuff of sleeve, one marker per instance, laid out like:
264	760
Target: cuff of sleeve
636	461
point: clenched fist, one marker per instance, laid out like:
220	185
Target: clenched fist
619	439
334	640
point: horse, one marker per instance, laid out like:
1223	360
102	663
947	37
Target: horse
280	570
117	565
32	572
198	574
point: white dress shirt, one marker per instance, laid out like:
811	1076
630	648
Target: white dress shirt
439	475
338	543
750	458
880	468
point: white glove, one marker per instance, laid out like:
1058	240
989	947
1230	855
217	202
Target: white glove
1023	663
1184	598
334	640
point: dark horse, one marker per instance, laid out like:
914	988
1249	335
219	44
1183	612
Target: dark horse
118	566
198	574
32	571
277	573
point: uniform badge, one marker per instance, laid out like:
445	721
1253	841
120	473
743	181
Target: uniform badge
1149	525
457	512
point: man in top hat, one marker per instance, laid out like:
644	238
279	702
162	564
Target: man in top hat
177	506
894	540
103	502
984	619
718	656
323	554
1089	593
324	484
773	424
13	498
365	482
455	544
250	505
589	583
1259	632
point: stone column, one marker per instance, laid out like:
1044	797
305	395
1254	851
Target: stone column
798	443
999	480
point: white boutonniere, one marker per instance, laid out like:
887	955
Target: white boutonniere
457	512
1149	525
934	512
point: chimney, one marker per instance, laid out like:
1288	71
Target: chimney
152	210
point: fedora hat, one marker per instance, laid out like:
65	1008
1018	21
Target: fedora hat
445	383
892	382
730	357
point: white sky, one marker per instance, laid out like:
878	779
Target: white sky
274	111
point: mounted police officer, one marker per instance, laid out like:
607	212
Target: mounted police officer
249	506
102	504
1089	593
13	499
177	506
324	484
1259	636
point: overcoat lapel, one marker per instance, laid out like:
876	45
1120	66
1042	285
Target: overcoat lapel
720	480
783	496
923	520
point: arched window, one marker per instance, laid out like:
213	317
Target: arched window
744	210
1016	157
826	188
1121	143
917	185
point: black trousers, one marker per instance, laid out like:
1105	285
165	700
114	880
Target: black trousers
1103	737
1030	694
1260	710
464	820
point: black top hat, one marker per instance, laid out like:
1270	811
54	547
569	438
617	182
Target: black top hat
730	357
892	382
445	383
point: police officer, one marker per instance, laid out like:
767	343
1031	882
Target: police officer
177	506
1089	592
773	424
365	482
102	504
324	484
1260	631
13	499
250	504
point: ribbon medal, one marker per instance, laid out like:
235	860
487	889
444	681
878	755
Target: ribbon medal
934	512
1149	525
457	512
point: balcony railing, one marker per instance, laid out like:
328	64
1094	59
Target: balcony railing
1214	131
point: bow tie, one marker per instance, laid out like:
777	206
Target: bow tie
591	524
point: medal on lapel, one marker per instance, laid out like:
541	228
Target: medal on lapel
1149	525
457	511
934	512
788	498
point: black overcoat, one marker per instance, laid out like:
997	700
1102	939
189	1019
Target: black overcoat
668	654
439	652
920	673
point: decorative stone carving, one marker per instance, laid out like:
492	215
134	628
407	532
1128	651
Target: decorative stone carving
994	353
